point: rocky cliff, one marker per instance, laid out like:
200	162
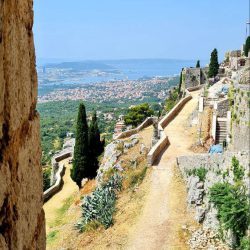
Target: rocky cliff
21	200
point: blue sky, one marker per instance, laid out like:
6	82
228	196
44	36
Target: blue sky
119	29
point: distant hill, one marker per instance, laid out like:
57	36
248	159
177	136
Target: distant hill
85	66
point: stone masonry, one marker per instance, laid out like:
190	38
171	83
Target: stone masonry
22	223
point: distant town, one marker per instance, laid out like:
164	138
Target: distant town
121	90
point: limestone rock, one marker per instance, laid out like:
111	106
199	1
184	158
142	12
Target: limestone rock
21	187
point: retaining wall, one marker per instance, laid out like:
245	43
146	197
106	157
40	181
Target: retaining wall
157	149
164	141
65	153
214	162
57	186
149	121
195	88
177	108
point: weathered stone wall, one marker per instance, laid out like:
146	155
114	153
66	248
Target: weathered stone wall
191	77
219	170
216	163
240	119
149	121
222	108
21	192
57	186
157	149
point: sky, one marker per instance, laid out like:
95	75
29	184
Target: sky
127	29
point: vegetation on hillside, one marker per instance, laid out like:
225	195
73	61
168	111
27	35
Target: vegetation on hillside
81	156
200	172
214	64
138	114
98	208
46	178
232	203
96	146
88	147
198	64
172	99
247	46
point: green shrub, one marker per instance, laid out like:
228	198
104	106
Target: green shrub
100	205
52	236
138	114
238	170
46	178
136	177
245	243
232	204
171	100
200	172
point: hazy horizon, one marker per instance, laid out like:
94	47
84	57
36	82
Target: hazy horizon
138	29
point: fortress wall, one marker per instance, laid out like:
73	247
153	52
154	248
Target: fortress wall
22	224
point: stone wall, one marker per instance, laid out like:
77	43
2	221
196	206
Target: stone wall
222	108
218	168
241	119
157	149
22	223
149	121
64	154
191	77
57	186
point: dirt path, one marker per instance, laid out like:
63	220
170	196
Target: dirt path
165	212
52	205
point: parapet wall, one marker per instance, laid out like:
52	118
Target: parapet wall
172	114
57	186
64	154
149	121
164	141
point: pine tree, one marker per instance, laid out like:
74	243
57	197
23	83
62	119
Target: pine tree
214	65
198	64
80	159
247	46
96	146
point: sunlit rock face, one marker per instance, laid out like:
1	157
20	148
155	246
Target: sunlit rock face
21	214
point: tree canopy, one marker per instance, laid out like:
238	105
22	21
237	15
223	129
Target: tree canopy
138	114
247	46
96	146
214	65
198	64
80	160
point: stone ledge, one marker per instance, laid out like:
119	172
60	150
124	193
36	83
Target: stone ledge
57	186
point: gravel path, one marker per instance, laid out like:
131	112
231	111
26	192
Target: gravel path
52	205
159	227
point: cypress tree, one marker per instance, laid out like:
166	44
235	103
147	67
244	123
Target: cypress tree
198	64
80	159
180	83
247	46
214	65
96	146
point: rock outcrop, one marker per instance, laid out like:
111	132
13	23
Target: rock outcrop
21	196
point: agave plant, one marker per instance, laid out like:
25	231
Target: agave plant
100	205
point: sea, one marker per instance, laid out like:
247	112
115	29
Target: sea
92	72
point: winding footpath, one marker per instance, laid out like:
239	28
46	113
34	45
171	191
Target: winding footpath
54	203
165	212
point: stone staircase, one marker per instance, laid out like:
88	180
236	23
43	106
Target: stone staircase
209	101
221	130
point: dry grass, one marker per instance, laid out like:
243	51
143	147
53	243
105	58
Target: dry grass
128	208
